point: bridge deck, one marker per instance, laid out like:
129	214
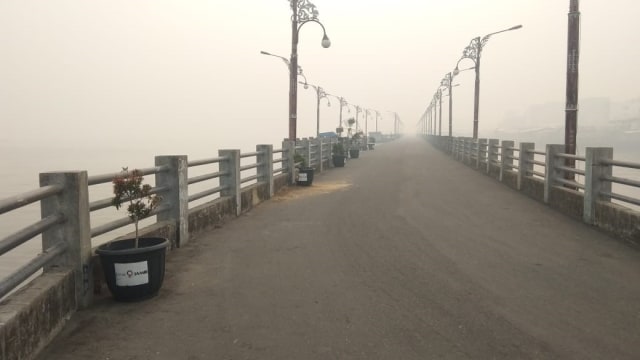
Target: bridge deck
402	254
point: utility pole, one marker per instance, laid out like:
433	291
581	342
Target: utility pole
573	59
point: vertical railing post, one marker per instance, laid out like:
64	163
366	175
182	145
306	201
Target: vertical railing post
482	144
289	151
320	153
525	164
332	141
73	203
231	180
467	150
492	153
506	157
177	196
552	161
265	166
594	171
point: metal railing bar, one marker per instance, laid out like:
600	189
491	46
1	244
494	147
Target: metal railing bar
201	178
623	181
537	173
105	203
248	167
626	164
536	162
116	224
107	178
29	197
571	156
570	170
207	161
570	183
205	193
22	273
251	154
247	179
620	197
22	236
100	204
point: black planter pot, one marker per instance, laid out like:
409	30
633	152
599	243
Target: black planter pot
338	160
131	273
354	154
305	177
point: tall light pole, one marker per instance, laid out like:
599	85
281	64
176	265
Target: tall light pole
434	106
303	12
286	61
473	52
447	82
438	97
367	112
358	111
343	103
573	59
320	94
377	116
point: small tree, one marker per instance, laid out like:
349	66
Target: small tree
128	188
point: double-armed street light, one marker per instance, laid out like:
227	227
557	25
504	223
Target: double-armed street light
343	103
473	52
396	122
358	111
367	112
447	82
286	61
303	11
320	94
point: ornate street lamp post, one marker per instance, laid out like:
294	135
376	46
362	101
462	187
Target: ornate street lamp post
320	94
358	111
343	103
286	61
473	52
303	12
447	82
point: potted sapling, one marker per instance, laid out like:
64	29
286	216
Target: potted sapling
134	266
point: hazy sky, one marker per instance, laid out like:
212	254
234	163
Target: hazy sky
103	71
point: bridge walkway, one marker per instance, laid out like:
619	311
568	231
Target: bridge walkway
403	254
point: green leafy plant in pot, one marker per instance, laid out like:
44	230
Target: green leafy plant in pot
304	175
339	155
134	267
354	150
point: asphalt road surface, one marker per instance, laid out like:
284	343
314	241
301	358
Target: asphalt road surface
402	254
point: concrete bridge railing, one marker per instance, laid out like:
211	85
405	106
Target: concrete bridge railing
233	183
551	177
